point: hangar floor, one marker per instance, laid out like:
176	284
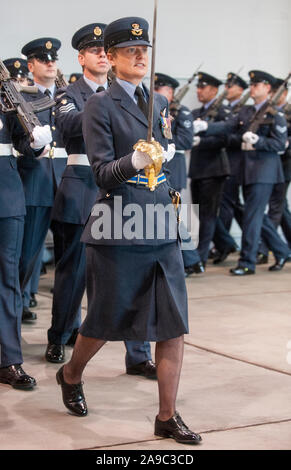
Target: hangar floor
235	386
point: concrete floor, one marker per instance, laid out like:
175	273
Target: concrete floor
235	385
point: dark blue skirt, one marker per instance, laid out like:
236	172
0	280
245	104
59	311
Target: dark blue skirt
135	293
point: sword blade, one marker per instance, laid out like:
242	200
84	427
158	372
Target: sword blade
152	84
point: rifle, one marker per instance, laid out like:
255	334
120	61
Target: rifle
12	101
60	80
268	107
241	102
214	108
176	103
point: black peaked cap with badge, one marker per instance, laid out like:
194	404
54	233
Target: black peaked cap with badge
89	36
205	79
236	80
278	83
162	79
17	67
258	76
129	31
74	77
43	48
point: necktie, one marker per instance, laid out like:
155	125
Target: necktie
142	104
47	93
100	88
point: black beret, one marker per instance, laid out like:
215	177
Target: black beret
236	80
74	77
257	76
206	79
89	35
17	67
42	48
129	31
165	80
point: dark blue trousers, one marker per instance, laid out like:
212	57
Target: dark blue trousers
69	288
286	223
275	212
32	285
37	222
231	206
256	198
11	234
207	193
189	253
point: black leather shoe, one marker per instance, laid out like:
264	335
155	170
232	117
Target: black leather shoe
33	301
213	253
241	271
147	369
28	316
262	258
223	255
72	339
15	376
55	353
177	429
197	268
280	262
73	395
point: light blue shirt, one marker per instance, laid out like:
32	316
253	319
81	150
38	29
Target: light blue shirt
258	106
93	85
233	103
206	105
130	88
42	88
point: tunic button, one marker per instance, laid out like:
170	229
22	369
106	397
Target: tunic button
53	113
55	144
108	194
53	128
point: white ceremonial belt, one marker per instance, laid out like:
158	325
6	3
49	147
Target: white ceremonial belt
180	151
78	159
58	152
5	149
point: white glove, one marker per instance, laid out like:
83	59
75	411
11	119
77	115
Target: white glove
196	141
140	160
1	124
250	138
247	146
286	145
42	136
170	153
199	126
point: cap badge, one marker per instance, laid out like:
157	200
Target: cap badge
229	76
17	64
64	101
252	74
48	45
136	31
73	79
97	31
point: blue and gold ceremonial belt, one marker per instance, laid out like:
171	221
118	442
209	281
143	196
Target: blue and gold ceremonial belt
141	179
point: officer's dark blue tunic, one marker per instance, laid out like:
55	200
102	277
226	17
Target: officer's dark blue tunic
136	288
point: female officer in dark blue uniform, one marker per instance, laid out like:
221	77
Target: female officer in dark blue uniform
135	285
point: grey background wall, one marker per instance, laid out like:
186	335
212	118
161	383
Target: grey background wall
223	34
